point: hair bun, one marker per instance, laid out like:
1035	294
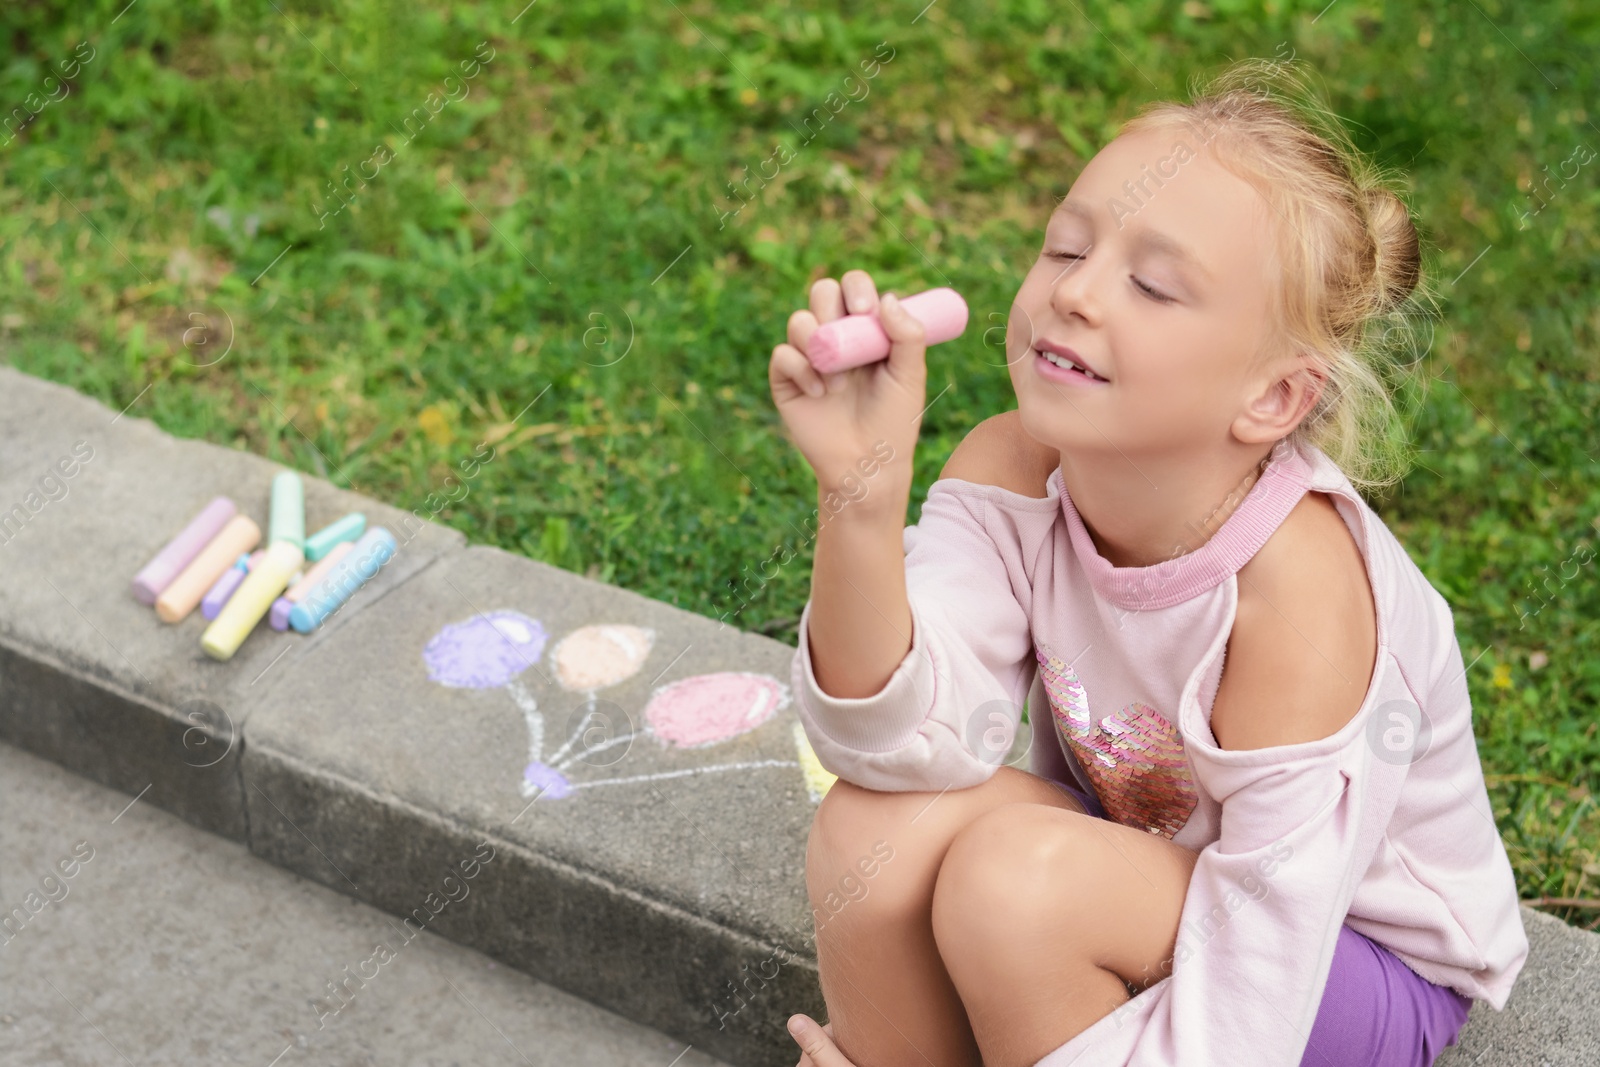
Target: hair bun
1397	265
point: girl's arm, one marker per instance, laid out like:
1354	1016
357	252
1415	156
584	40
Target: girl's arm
861	620
947	713
859	627
858	431
915	655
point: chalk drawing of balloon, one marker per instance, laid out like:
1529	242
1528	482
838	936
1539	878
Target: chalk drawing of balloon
592	658
489	651
697	713
587	660
711	708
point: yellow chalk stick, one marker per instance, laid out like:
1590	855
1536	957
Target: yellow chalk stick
818	778
252	601
239	536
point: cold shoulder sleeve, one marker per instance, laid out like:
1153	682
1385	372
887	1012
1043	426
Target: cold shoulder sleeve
947	716
1300	825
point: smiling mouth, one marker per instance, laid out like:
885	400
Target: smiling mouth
1070	365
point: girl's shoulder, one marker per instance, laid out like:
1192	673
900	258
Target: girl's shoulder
1305	627
999	452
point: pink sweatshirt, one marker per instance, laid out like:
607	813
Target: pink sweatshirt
1384	825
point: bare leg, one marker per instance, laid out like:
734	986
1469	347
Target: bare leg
1045	919
890	998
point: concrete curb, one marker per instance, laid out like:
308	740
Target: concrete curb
625	950
336	754
384	755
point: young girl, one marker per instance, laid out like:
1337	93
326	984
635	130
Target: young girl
1255	829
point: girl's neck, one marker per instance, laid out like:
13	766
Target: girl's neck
1142	515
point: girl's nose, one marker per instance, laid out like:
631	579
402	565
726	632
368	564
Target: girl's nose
1075	289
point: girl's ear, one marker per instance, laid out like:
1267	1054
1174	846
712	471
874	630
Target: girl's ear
1283	400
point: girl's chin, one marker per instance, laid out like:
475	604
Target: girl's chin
1054	426
1073	430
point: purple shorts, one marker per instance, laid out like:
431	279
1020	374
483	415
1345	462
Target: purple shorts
1375	1010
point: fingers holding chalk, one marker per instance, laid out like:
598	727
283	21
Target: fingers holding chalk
860	292
827	300
791	373
907	336
858	339
802	324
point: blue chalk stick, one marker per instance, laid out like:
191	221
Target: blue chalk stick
374	549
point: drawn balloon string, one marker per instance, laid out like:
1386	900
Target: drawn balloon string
491	650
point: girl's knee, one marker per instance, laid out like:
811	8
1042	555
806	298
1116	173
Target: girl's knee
1006	869
847	820
869	854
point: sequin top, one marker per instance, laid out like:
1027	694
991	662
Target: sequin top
1119	666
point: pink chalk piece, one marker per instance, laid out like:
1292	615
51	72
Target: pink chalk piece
308	581
176	554
857	340
596	657
709	708
278	614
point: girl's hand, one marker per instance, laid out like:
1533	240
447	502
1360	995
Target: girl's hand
816	1044
841	420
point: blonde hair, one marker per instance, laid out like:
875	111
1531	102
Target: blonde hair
1349	256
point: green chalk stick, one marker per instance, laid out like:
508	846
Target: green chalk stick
288	521
349	528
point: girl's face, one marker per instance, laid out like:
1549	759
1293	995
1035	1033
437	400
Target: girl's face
1155	273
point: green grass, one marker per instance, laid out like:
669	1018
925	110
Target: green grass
559	237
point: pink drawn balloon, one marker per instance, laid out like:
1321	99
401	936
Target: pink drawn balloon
596	657
709	708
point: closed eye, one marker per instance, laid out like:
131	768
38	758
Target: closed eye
1156	295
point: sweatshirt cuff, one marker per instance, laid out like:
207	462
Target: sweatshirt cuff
888	720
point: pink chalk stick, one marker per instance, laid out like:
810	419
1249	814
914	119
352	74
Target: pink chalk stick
278	616
178	552
297	592
856	340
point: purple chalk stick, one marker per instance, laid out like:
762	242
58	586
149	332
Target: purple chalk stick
222	588
159	572
278	617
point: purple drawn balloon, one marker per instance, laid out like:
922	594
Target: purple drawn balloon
485	652
553	783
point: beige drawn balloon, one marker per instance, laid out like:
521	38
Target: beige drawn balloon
597	657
